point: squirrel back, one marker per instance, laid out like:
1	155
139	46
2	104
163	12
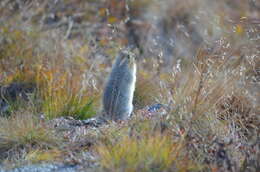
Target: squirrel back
119	89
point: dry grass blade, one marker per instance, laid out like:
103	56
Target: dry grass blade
25	130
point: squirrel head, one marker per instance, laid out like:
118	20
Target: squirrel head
127	57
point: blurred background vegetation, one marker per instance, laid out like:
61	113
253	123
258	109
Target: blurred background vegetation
200	58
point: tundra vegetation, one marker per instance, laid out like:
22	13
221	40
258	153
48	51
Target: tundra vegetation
199	58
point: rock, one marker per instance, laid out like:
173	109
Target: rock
74	130
95	121
3	106
12	93
154	110
155	107
44	168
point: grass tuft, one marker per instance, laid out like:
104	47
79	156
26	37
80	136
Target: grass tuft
147	91
24	130
151	153
61	88
36	156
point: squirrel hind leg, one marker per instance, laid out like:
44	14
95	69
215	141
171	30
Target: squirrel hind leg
124	114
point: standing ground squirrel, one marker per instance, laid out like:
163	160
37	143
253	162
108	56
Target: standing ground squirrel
119	89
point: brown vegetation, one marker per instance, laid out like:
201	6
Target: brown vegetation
200	60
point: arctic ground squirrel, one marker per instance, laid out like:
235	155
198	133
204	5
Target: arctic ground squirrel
119	89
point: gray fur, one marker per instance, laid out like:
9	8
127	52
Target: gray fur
118	92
